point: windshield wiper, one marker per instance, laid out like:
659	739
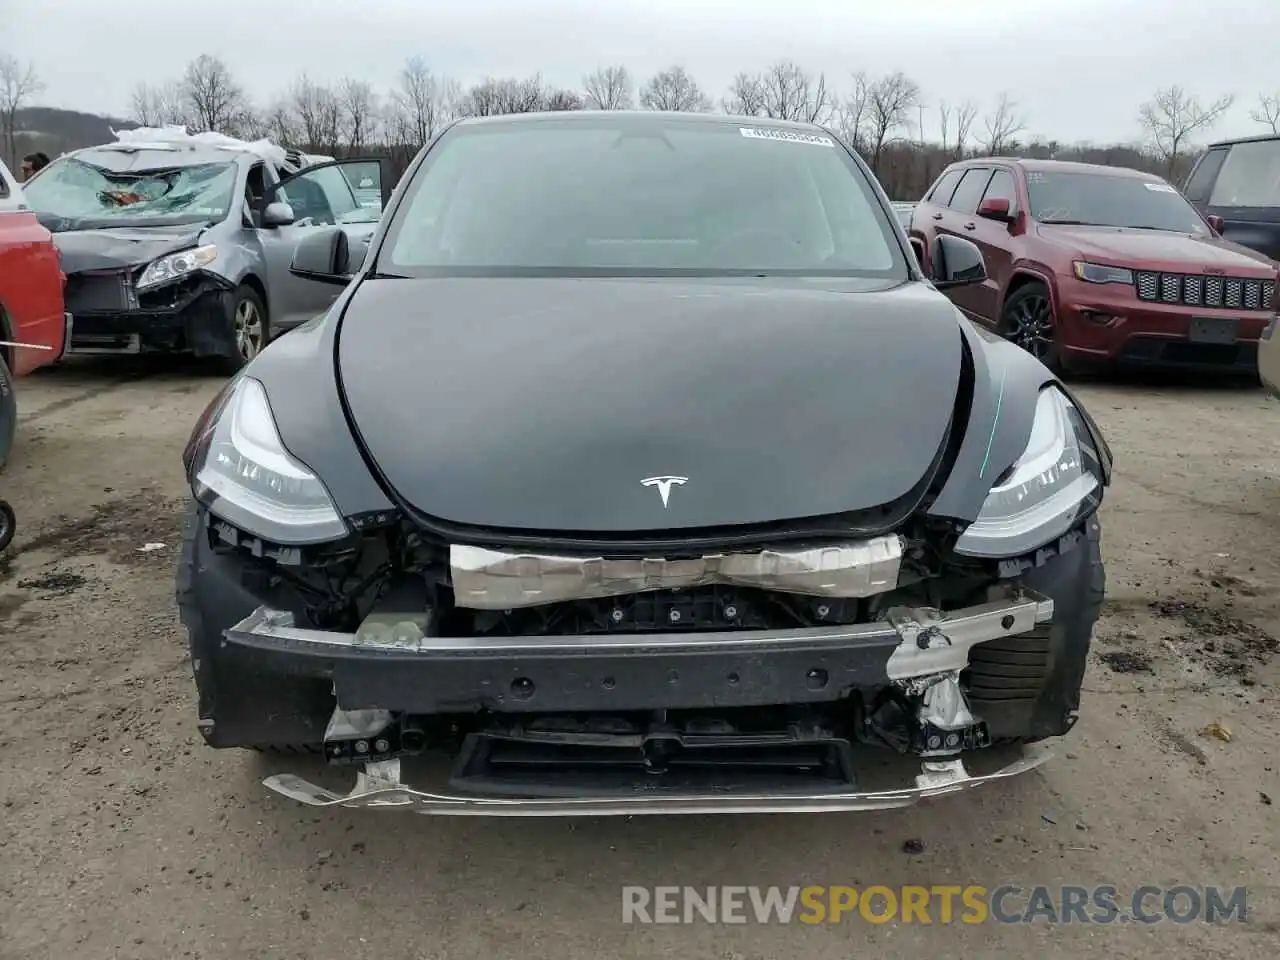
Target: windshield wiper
1074	223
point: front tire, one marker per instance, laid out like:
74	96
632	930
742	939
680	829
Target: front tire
1027	320
8	525
250	329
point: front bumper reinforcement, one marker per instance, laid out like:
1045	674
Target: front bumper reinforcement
379	785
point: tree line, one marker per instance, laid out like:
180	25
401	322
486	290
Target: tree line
906	140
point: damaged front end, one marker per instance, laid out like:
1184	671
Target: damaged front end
769	668
560	684
111	315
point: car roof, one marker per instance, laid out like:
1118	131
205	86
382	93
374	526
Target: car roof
1260	138
1060	166
638	117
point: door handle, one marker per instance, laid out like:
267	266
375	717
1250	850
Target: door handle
971	226
937	216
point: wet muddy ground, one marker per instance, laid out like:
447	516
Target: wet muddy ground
124	837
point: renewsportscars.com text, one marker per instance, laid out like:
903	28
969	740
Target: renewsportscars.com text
935	904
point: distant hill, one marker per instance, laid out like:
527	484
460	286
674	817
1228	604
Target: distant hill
56	131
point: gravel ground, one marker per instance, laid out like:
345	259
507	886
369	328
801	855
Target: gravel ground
124	837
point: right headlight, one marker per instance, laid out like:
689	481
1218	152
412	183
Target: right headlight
245	475
1052	486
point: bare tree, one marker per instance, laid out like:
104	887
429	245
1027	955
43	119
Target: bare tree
853	115
966	114
783	92
609	88
319	114
214	99
492	96
358	103
160	105
674	89
1267	111
563	100
746	97
1002	125
18	84
889	103
427	101
1172	117
282	123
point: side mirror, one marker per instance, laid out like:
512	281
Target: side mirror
324	256
277	214
1216	223
995	208
955	262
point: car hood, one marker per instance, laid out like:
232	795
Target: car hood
107	249
546	404
1156	248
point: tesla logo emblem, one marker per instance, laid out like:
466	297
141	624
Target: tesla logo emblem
664	485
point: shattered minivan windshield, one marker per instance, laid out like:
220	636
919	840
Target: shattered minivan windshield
84	195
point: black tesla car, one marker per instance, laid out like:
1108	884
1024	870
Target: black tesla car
638	468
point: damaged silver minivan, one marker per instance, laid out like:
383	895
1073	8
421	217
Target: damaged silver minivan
177	242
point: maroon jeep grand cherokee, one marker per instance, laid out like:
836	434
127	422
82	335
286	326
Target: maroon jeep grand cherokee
1091	265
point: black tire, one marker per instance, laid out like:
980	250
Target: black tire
1027	688
1027	319
8	525
8	412
250	329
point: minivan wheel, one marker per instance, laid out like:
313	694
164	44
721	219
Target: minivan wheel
250	331
1027	320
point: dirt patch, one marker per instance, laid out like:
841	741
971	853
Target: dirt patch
116	529
9	605
1224	644
1128	661
58	583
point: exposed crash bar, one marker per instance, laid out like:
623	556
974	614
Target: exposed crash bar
503	580
379	785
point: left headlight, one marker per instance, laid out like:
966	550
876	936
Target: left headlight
245	475
1052	486
175	266
1101	273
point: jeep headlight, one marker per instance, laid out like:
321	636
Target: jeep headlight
175	266
1054	485
244	474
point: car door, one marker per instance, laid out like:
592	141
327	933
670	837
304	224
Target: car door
1241	184
320	196
995	238
31	280
960	220
929	212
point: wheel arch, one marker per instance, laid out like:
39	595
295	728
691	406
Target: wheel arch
251	281
1024	274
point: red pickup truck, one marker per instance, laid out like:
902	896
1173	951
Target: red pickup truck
33	323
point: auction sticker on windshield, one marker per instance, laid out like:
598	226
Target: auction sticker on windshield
791	136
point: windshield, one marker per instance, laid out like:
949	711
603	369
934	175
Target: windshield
1250	176
1104	200
629	197
85	195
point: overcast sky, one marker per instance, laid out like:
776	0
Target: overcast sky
1078	69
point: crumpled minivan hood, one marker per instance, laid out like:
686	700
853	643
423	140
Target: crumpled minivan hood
616	406
107	249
